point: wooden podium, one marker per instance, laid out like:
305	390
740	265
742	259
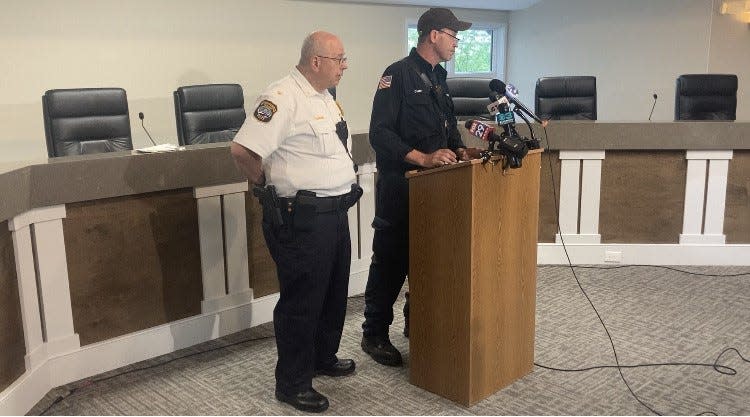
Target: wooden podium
472	276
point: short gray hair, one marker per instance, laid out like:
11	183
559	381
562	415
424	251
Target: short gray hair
310	47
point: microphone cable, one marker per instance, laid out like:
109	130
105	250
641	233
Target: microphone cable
719	368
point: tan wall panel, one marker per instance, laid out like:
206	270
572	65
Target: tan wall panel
263	279
133	263
12	346
642	196
547	199
737	217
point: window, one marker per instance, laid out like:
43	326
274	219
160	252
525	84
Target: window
481	52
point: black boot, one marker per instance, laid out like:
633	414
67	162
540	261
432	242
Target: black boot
311	401
381	350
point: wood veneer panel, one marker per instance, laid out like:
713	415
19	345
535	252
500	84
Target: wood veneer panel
473	239
642	196
737	218
133	263
12	345
263	278
547	198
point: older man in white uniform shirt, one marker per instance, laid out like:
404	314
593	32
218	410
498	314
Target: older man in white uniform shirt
296	144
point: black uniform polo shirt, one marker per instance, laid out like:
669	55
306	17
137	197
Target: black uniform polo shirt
407	115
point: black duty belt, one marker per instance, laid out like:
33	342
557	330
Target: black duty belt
321	204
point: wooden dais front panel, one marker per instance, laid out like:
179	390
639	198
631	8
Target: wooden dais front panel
737	218
133	262
642	196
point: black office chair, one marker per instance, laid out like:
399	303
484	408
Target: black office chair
566	98
470	97
706	97
86	120
208	113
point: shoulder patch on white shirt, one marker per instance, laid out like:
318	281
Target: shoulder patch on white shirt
265	111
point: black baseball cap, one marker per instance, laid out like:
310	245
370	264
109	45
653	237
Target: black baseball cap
438	18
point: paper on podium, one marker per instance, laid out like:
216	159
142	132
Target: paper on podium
164	147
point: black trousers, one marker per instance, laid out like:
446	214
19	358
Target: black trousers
390	246
313	269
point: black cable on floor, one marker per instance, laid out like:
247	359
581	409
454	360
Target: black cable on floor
660	266
88	383
572	269
722	369
718	368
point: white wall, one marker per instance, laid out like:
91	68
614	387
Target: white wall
635	48
150	48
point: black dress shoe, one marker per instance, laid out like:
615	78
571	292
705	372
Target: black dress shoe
342	367
381	350
311	401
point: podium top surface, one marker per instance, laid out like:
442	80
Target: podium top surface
461	164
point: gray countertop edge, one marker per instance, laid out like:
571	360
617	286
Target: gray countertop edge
28	185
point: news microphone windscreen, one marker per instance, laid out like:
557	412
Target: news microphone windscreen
140	115
498	86
479	129
655	96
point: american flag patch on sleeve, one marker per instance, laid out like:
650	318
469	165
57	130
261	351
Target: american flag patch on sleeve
385	82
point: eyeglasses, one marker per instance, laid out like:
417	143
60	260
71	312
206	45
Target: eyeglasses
342	61
452	36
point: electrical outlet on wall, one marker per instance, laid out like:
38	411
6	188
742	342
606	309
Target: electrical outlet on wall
612	257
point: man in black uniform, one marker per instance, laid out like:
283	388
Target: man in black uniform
412	126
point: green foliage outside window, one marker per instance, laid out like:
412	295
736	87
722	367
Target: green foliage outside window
474	52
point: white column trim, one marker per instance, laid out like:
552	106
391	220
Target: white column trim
582	155
37	215
36	350
708	154
569	195
695	184
217	190
212	249
716	195
591	176
235	242
54	287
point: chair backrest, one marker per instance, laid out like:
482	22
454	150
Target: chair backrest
706	97
470	97
86	120
566	98
208	113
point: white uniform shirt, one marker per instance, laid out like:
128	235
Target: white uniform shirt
293	128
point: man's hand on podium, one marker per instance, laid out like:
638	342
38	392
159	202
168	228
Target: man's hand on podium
431	160
467	154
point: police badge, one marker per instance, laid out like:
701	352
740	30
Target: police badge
265	111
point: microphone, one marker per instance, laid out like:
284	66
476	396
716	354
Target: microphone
140	116
511	146
496	103
512	93
480	130
652	107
